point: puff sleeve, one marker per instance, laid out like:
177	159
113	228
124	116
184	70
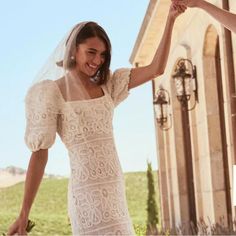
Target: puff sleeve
42	108
117	85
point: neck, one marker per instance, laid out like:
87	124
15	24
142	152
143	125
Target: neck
81	78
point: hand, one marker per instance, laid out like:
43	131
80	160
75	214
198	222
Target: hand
176	9
18	227
186	3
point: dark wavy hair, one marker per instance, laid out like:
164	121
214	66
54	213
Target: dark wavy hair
90	30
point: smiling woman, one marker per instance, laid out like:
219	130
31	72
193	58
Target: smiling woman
88	60
75	96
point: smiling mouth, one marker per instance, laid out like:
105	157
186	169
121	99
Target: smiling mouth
93	67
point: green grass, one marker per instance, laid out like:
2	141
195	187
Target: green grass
49	211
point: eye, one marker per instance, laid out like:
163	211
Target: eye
91	52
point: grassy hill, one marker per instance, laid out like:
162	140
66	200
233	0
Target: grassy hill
50	208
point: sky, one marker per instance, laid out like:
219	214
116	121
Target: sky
30	30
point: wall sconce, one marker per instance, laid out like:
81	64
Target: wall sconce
185	78
161	106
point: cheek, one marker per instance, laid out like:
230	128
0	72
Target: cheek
80	59
103	60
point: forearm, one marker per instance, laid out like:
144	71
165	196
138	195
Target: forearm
159	61
143	74
34	176
226	18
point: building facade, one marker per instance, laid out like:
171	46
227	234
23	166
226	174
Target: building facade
196	154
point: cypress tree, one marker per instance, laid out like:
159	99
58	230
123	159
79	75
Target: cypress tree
152	214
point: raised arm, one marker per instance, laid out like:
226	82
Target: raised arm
34	176
226	18
141	75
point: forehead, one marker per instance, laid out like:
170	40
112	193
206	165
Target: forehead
95	43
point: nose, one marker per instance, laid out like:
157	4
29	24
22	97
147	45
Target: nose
98	60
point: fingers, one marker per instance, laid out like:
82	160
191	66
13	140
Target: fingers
22	232
14	230
18	228
182	8
180	2
179	8
22	229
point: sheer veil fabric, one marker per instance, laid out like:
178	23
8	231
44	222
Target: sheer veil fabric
56	68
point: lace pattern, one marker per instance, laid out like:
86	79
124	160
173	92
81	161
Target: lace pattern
42	107
96	193
95	161
118	85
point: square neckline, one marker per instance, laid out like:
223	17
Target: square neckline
82	100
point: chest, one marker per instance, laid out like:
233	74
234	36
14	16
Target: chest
91	117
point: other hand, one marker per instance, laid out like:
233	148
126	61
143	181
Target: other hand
176	9
186	3
18	227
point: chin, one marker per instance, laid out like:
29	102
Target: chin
88	74
92	74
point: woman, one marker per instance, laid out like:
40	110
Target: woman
75	96
226	18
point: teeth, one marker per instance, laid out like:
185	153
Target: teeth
94	67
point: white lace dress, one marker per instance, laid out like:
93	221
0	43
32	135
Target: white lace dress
96	194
